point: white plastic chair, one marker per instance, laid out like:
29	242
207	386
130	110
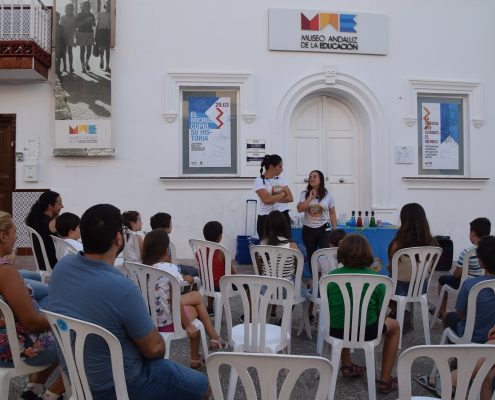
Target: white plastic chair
204	251
423	262
146	278
33	235
62	247
449	334
446	289
282	262
255	335
353	338
322	262
71	334
325	260
20	367
173	253
268	367
131	246
467	357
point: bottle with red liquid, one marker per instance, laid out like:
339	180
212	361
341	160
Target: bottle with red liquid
359	222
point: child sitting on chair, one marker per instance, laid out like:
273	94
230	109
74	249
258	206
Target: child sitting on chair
335	236
132	221
212	231
67	225
355	254
162	220
478	228
155	253
485	303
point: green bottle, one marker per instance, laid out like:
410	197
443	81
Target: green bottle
372	220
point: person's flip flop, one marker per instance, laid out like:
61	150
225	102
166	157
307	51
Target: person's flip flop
352	371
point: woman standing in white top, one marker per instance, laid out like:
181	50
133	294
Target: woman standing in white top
272	190
318	206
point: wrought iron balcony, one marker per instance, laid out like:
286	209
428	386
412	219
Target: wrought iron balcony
25	39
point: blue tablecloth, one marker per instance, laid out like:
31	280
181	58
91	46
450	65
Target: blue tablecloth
378	238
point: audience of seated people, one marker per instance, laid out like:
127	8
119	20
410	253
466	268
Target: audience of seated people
86	286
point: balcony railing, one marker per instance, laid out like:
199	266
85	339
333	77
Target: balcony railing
24	23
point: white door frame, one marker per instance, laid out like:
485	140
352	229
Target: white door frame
369	113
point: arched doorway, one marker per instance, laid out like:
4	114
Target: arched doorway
326	135
353	105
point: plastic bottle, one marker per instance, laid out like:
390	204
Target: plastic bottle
353	219
359	222
366	222
372	220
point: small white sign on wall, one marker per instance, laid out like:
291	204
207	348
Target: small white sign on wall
404	154
255	151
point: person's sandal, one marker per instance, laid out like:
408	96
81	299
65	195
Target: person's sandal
197	364
218	344
352	371
389	386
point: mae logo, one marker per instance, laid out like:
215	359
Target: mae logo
84	129
339	22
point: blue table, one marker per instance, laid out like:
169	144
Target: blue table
378	238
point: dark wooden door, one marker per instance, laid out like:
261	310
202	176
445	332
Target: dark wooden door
7	161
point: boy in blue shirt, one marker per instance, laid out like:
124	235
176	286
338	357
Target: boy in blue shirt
478	228
485	303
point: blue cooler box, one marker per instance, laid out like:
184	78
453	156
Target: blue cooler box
242	255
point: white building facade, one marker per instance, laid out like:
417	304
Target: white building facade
353	116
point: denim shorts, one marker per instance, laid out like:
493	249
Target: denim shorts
449	280
163	379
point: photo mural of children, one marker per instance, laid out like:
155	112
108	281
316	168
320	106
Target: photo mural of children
85	21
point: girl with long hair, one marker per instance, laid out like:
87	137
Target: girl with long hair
320	217
41	218
155	253
272	190
414	231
